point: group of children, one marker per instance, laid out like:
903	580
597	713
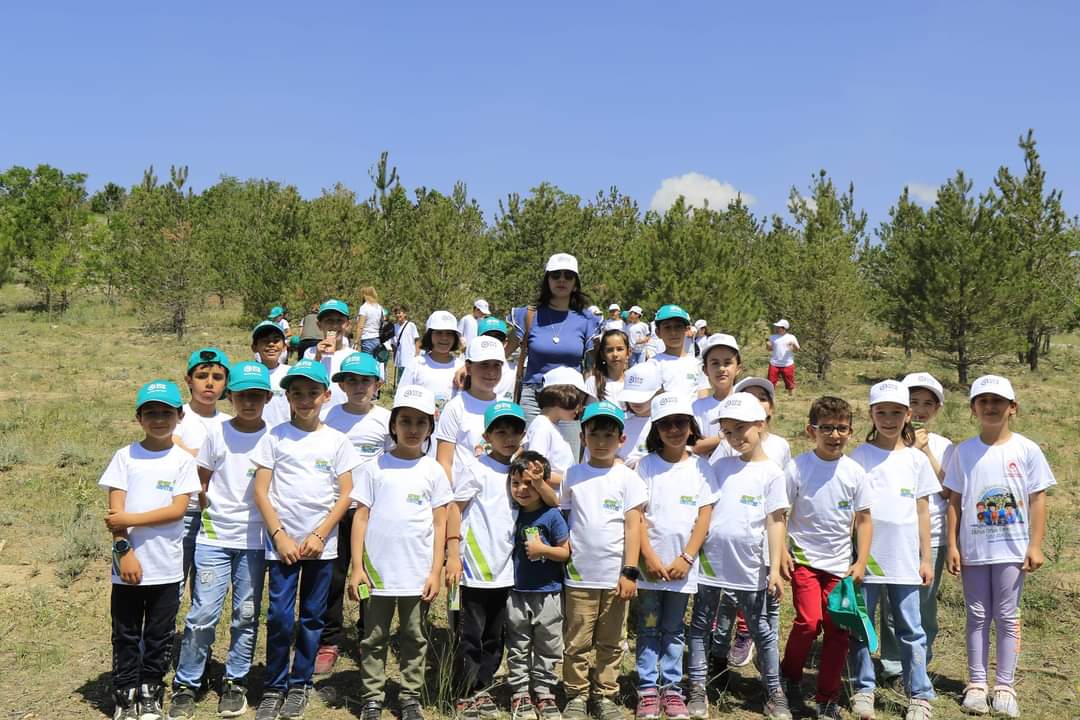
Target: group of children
681	494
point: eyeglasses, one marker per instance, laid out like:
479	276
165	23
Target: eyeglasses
563	274
830	429
677	423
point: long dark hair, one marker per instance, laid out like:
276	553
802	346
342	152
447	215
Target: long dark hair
578	300
907	434
426	345
600	367
393	433
654	444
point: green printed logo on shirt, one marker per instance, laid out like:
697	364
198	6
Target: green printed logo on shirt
372	573
476	556
750	500
611	504
414	499
907	493
322	465
843	505
686	500
165	485
251	473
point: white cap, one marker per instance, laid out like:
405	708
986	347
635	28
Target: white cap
561	261
670	403
484	348
640	383
482	305
594	310
925	380
719	340
417	397
993	385
762	383
565	376
441	320
613	306
742	407
700	323
890	391
782	323
636	309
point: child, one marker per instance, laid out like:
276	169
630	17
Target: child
828	495
268	344
782	346
926	397
640	385
560	400
680	371
149	483
610	356
722	363
902	482
1007	467
300	468
776	447
332	350
534	620
603	499
277	316
639	334
406	344
495	328
435	366
228	551
368	428
460	429
735	572
676	520
400	533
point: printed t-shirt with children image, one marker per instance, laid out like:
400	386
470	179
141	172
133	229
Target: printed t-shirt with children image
230	518
487	525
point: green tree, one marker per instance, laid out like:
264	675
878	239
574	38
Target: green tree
890	269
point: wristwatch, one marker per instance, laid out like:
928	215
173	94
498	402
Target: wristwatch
630	572
121	546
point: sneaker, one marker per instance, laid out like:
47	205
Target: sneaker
795	699
575	709
607	709
521	707
546	709
182	703
466	709
485	706
974	702
742	650
1004	701
325	659
270	705
373	710
776	706
410	710
698	705
862	705
674	705
151	698
233	701
648	705
295	702
919	710
127	705
829	711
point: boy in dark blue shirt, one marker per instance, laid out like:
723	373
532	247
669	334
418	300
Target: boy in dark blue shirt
534	621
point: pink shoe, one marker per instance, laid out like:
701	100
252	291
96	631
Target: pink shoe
325	659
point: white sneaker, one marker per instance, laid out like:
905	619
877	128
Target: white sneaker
975	700
919	709
862	705
1004	701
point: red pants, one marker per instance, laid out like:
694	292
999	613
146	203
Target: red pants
787	373
810	595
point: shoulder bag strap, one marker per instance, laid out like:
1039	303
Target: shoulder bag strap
524	354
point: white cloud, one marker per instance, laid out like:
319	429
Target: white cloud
810	203
698	190
923	193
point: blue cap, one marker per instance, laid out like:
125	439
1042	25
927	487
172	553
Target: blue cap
492	324
207	356
501	409
668	312
604	408
276	312
160	391
357	364
306	369
249	375
266	325
333	306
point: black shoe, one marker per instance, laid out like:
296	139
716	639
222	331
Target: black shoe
295	703
233	702
270	705
151	699
410	710
182	704
373	710
127	704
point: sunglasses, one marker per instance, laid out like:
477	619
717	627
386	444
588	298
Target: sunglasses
830	429
208	355
562	274
673	423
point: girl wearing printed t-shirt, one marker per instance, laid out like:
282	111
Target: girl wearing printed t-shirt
1005	468
610	361
902	481
460	430
435	366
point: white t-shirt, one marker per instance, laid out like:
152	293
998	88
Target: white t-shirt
332	363
942	448
677	492
543	437
438	377
746	493
151	480
462	423
399	545
897	480
612	388
776	447
230	518
681	374
277	410
370	317
369	433
304	485
783	350
637	432
404	343
504	390
597	500
467	327
1003	475
487	525
706	411
284	325
192	431
824	496
637	332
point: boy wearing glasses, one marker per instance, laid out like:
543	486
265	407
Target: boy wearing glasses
828	494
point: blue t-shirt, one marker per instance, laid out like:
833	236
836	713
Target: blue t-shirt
557	338
539	575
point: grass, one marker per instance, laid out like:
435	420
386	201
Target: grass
65	406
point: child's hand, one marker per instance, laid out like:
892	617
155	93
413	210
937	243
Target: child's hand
286	548
654	567
130	568
952	561
627	589
117	520
922	439
431	588
358	577
535	548
926	572
678	569
776	585
326	346
534	473
453	571
787	566
856	572
311	548
1033	559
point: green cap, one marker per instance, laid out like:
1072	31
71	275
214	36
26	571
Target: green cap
333	306
306	369
668	312
161	391
625	315
264	326
206	356
847	608
501	409
249	375
276	312
604	408
357	364
492	324
294	341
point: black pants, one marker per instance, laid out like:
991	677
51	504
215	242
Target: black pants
481	633
146	615
334	629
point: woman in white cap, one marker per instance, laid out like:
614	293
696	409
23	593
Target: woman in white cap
436	364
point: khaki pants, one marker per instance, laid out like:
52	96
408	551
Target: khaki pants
412	644
595	619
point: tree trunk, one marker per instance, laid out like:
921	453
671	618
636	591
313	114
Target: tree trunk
905	337
1046	343
179	321
962	365
1033	343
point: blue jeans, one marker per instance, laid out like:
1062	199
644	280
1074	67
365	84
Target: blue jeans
569	429
368	346
890	648
722	605
192	520
216	568
313	579
904	602
660	638
636	356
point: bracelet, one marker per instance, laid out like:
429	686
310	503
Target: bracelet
274	534
686	556
321	538
454	537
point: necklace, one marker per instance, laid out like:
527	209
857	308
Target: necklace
558	330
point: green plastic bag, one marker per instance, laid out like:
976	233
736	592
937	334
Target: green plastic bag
847	608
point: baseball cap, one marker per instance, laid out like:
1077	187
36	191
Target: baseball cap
501	409
333	306
718	340
593	309
782	323
700	323
264	326
742	407
276	312
667	312
416	397
206	356
625	314
562	261
492	324
640	383
890	391
636	309
762	383
924	380
565	376
441	320
847	608
482	305
484	348
358	363
613	306
306	369
249	375
162	391
993	385
670	403
604	408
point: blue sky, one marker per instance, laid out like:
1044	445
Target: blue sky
753	97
